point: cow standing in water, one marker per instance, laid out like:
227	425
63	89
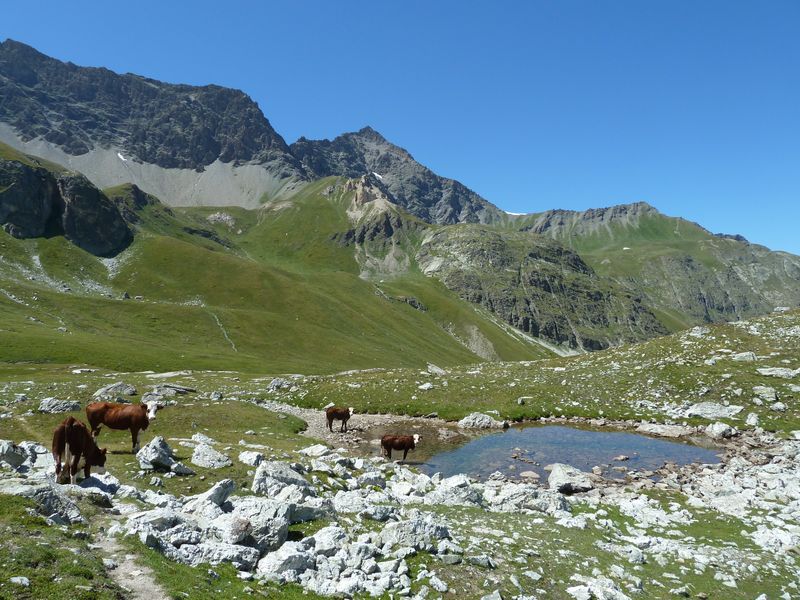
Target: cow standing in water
336	413
73	442
135	417
399	442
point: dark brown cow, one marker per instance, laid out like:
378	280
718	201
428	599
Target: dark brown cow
73	442
135	417
399	442
337	413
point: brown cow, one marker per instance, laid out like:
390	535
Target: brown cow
135	417
399	442
73	442
337	413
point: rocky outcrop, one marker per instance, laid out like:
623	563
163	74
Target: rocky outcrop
412	186
36	201
537	286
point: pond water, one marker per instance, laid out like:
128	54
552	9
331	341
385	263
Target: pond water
536	446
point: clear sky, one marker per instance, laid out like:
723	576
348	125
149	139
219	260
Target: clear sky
691	106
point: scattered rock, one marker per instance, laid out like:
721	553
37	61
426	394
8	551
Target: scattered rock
205	456
713	410
781	372
720	431
53	405
568	480
113	390
481	421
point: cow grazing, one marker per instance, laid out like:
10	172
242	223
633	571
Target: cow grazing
135	417
336	413
72	443
399	442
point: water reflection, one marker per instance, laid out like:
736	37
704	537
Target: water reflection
532	447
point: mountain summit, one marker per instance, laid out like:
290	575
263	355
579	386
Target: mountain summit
197	145
413	186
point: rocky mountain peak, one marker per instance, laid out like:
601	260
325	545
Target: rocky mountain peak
413	186
79	109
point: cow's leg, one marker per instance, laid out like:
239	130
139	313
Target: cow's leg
389	452
73	469
343	426
135	439
405	453
58	465
330	425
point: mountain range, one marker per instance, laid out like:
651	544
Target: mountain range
322	254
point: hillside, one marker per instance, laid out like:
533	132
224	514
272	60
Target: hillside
677	267
228	289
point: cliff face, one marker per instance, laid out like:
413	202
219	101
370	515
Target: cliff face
172	126
35	202
537	286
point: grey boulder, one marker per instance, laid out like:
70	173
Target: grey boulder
567	479
205	456
54	405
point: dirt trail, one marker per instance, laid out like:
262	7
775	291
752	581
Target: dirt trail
365	430
137	580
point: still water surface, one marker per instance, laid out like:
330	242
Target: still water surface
538	446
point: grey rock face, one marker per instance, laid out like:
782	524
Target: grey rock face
567	479
35	201
157	454
480	421
205	456
713	410
286	563
413	186
12	454
720	431
523	279
53	405
173	126
419	532
272	476
27	198
120	388
214	553
251	458
89	219
50	500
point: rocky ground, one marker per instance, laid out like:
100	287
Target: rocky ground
233	494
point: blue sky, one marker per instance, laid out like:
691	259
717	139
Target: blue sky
691	106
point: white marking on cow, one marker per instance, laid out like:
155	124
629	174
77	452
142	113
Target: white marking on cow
416	438
352	411
152	407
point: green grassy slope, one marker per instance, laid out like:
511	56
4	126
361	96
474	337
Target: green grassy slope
684	272
272	292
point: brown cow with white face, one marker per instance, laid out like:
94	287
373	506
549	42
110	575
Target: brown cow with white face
134	417
337	413
399	442
73	442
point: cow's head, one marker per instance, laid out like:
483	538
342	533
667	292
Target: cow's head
417	438
152	407
97	458
351	410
